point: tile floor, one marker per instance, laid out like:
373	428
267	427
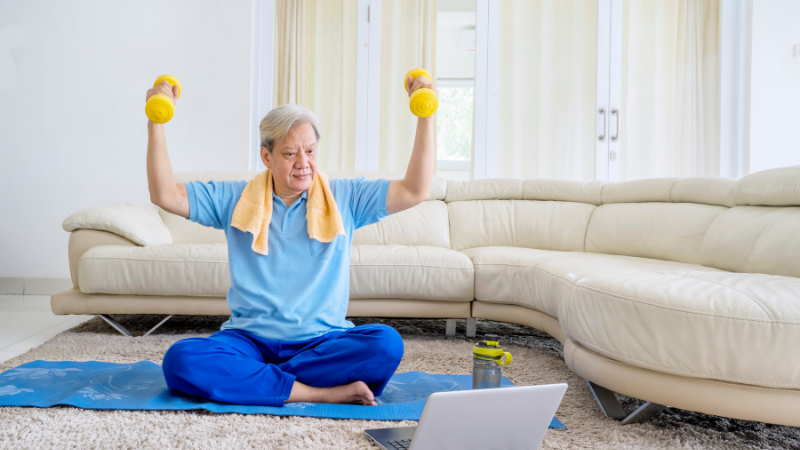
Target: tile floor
26	321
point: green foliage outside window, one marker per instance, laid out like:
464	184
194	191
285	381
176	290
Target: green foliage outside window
454	123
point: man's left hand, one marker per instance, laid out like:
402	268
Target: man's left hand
420	82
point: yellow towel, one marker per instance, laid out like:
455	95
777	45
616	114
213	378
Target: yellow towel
253	211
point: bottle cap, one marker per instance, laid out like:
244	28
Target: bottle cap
489	349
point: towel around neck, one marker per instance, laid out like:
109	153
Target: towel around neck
253	211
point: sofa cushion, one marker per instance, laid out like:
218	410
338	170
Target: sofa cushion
547	225
424	224
665	316
187	232
543	279
173	269
411	272
755	239
138	223
702	324
667	231
391	271
774	187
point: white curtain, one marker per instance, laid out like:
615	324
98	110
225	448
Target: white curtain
670	89
548	86
315	67
408	41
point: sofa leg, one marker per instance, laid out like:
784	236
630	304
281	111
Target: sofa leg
450	328
644	413
159	324
117	326
611	408
471	322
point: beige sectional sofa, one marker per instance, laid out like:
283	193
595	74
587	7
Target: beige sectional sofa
681	292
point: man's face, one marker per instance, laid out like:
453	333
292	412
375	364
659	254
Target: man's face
293	160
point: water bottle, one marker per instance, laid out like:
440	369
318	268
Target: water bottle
487	359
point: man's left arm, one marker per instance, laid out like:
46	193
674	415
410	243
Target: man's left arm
416	186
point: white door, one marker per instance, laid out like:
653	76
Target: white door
609	89
545	118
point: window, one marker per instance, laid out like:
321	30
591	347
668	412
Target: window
455	78
454	129
574	79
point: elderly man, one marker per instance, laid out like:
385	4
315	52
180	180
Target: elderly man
287	339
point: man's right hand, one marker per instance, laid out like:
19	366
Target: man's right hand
164	191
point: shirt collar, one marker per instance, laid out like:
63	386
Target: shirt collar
303	196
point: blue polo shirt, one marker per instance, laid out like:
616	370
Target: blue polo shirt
299	290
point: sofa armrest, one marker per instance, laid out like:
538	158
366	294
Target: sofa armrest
82	240
141	224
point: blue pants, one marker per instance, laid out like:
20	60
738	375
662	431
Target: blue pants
235	366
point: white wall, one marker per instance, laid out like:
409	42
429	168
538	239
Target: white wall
73	134
775	85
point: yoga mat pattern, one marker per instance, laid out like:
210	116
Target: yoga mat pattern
141	386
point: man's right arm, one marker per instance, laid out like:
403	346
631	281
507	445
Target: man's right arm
164	191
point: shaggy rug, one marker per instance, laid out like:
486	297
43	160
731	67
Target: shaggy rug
537	360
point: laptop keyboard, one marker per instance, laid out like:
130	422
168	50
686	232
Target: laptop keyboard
401	444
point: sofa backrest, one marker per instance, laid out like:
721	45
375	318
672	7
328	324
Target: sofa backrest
425	224
664	218
660	218
185	231
750	225
542	214
761	233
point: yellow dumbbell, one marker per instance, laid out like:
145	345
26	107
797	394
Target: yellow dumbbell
159	107
423	101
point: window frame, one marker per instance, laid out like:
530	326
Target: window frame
261	79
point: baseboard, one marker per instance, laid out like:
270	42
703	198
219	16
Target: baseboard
33	286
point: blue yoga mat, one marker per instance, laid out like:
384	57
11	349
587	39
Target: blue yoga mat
141	386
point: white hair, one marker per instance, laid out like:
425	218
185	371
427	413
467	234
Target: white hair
277	123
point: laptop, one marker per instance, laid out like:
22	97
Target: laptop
499	418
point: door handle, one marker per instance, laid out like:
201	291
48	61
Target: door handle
616	113
602	137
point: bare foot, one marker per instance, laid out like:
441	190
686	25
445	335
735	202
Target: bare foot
356	392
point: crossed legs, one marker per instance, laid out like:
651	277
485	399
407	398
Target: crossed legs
235	366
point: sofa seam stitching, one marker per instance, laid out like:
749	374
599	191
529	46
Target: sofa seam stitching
572	355
670	191
602	188
588	223
531	267
763	307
